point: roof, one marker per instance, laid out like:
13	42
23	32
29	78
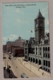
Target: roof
32	40
18	42
40	16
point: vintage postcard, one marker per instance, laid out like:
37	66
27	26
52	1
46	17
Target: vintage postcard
26	40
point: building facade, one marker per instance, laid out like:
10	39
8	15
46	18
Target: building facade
39	28
37	49
16	47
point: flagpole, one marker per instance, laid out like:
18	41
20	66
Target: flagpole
31	33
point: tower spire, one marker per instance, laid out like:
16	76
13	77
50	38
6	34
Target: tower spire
40	15
39	10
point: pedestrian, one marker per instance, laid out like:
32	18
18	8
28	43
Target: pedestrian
42	73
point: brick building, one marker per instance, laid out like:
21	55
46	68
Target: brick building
16	47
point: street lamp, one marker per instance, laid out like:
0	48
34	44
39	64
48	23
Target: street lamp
30	65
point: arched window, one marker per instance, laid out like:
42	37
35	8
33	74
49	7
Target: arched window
33	60
36	61
39	62
29	58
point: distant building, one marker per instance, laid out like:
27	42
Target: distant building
17	51
16	47
4	48
37	49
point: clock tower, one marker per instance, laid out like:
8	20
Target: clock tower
39	28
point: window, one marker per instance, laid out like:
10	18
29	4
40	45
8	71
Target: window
25	48
48	55
40	48
40	53
48	48
26	57
44	48
25	51
48	70
44	62
43	54
44	68
32	50
36	48
48	64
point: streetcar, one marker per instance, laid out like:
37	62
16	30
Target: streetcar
23	75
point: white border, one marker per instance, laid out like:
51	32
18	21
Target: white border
51	37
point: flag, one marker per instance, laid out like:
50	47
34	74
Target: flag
31	31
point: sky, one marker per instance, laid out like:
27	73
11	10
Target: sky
18	19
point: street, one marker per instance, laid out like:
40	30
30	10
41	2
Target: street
17	67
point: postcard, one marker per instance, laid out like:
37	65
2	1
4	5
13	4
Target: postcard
26	40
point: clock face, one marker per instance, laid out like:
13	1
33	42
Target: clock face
36	25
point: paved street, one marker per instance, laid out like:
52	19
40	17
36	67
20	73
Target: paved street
17	67
33	67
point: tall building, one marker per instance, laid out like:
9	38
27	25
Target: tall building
37	49
39	28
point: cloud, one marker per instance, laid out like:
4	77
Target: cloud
44	10
18	11
47	22
22	21
13	37
10	38
28	31
47	30
19	21
5	38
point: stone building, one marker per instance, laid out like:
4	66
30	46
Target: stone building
37	49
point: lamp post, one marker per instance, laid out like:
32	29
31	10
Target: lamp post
30	65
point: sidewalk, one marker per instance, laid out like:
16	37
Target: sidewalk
34	69
8	73
18	68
